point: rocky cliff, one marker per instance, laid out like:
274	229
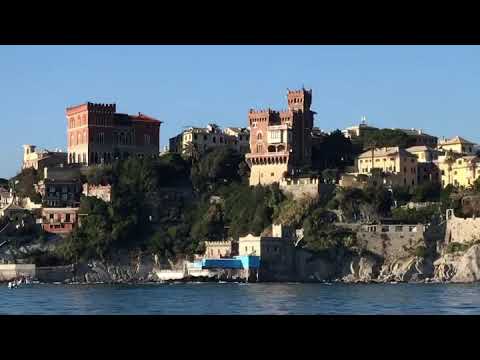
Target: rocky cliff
462	266
360	267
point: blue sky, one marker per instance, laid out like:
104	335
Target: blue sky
436	88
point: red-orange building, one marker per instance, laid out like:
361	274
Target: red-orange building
280	141
97	133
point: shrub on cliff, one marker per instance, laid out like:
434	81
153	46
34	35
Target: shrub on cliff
454	247
215	168
421	251
415	216
250	209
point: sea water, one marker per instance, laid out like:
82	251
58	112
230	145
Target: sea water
231	298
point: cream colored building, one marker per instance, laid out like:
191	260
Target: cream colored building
271	246
424	153
457	145
212	136
220	249
458	170
399	166
33	158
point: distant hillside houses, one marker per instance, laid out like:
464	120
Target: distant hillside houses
195	139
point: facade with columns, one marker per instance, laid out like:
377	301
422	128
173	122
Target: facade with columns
98	134
280	141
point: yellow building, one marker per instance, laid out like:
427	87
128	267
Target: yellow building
399	166
457	145
460	171
202	139
33	158
424	153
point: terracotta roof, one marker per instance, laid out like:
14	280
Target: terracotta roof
144	118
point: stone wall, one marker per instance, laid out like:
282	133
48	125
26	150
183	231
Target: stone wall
300	188
11	271
267	174
51	274
461	230
389	241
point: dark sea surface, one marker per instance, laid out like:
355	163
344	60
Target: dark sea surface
231	298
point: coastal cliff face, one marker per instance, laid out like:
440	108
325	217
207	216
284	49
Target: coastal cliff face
365	268
460	266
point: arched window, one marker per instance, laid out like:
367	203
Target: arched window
259	136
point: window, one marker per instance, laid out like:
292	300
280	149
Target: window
147	139
259	136
214	139
272	174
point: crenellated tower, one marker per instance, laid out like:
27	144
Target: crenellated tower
280	141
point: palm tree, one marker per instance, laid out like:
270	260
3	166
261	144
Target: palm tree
371	145
449	159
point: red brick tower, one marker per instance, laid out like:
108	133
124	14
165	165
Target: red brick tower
280	141
97	134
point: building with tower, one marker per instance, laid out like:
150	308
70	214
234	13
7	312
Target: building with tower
280	141
38	159
98	134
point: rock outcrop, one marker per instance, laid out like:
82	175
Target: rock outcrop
459	267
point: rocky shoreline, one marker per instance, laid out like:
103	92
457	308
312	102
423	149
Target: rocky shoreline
449	268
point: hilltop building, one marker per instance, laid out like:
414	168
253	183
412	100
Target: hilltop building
458	145
280	141
98	134
459	170
356	131
202	139
399	165
38	159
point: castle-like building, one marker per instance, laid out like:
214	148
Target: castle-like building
281	141
98	134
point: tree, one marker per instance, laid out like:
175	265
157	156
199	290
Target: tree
335	151
330	176
320	233
427	192
4	183
216	168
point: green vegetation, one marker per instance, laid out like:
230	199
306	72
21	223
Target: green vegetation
4	183
334	152
321	234
456	247
372	203
383	138
142	216
413	216
24	182
421	251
